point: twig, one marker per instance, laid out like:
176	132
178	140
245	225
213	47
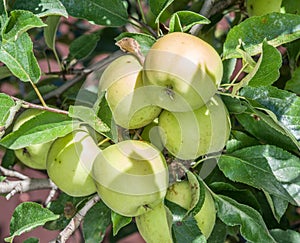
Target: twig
12	173
40	107
13	187
210	8
75	221
93	67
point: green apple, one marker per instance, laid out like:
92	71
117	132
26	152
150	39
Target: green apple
155	225
124	93
191	134
70	162
33	156
150	134
184	70
262	7
181	194
131	177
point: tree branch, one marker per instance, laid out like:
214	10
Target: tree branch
40	107
86	71
76	220
210	8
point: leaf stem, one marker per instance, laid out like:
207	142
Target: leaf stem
142	12
38	94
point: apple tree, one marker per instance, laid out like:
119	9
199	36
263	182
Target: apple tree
178	120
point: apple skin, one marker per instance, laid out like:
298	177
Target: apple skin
70	161
188	135
131	177
262	7
122	81
33	156
181	194
185	70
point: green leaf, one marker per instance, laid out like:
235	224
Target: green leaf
145	41
96	222
266	167
119	221
105	114
285	105
277	205
27	216
235	191
19	58
19	22
251	223
8	159
291	6
43	128
8	109
175	25
293	51
89	116
4	72
266	70
266	128
101	12
42	7
83	46
233	104
183	224
219	233
158	7
66	207
285	236
294	83
31	240
228	69
50	31
277	27
186	19
239	140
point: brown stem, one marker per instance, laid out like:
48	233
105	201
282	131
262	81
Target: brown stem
76	220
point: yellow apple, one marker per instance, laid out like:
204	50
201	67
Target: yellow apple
188	135
184	70
33	156
124	93
181	194
131	177
70	161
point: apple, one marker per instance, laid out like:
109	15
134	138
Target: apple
155	226
181	194
131	177
122	81
150	134
262	7
70	161
191	134
183	71
33	156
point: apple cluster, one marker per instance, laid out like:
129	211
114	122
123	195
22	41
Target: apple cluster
171	98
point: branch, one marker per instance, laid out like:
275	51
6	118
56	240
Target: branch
93	67
76	220
13	187
210	8
40	107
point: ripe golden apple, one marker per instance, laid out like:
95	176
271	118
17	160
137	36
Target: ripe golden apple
188	135
184	70
131	177
33	156
70	161
181	194
124	93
